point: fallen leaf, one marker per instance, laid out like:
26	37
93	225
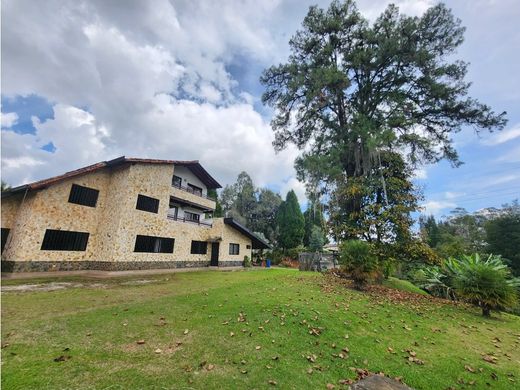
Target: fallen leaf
258	347
330	386
62	358
186	331
469	368
140	342
158	350
273	383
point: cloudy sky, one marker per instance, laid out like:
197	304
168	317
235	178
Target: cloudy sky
86	81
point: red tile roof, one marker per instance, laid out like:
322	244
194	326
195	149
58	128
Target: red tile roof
193	165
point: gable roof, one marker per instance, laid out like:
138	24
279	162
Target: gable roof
257	242
193	165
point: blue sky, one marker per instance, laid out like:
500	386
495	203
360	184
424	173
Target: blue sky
89	81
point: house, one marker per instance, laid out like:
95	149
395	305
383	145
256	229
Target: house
123	214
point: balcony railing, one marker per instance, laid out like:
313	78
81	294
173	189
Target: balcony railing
193	191
184	219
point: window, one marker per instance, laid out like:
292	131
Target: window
248	246
64	240
146	203
191	216
5	234
199	247
83	195
195	190
176	181
153	244
234	249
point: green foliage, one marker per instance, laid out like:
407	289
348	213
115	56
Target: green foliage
359	261
353	94
247	261
487	283
503	236
290	222
314	218
253	207
317	239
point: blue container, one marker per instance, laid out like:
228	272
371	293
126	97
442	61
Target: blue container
268	264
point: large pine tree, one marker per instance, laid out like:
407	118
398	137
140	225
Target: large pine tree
290	221
353	91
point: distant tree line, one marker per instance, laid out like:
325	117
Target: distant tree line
489	231
280	222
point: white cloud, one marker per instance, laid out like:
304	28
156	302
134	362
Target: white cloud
436	207
420	173
9	119
503	136
298	187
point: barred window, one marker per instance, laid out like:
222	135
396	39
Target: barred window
152	244
84	196
64	240
145	203
5	234
199	247
234	249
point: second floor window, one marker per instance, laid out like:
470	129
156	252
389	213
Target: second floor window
176	181
145	203
195	190
83	195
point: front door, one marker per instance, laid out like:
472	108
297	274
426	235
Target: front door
214	253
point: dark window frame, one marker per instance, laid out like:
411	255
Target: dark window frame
153	244
234	249
64	240
176	179
82	195
5	235
195	189
199	247
147	203
189	216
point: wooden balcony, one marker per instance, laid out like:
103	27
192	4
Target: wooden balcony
195	198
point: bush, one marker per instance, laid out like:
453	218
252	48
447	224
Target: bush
247	261
359	261
487	284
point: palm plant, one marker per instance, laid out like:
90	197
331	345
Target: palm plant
486	283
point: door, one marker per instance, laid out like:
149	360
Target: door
214	253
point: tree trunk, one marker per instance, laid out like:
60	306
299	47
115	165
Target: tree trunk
486	311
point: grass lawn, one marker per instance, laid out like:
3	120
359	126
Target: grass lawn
290	334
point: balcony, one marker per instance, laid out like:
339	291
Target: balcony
204	222
194	191
193	197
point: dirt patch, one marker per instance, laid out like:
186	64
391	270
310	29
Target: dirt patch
138	282
53	286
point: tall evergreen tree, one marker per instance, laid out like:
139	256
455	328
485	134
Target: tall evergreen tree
352	90
291	224
313	217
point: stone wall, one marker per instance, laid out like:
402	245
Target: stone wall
113	225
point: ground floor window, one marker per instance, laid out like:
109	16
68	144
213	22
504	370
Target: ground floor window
64	240
191	216
234	249
5	234
199	247
152	244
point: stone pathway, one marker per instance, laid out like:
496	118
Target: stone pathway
378	382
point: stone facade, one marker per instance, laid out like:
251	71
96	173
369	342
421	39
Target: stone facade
112	225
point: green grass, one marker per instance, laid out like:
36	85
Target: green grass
100	326
403	285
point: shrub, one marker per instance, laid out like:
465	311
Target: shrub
359	261
487	284
247	261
